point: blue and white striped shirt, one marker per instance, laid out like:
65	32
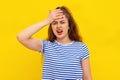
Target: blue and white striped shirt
62	61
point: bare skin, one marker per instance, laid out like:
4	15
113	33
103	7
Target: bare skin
25	37
59	23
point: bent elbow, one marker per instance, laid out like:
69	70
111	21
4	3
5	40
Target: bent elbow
19	38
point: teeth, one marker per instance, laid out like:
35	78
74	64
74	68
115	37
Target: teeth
59	30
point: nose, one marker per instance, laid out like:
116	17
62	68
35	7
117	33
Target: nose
58	25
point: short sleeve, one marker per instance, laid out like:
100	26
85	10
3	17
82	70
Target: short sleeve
44	44
85	52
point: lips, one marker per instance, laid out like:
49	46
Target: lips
59	31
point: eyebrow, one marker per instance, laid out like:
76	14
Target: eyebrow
54	21
62	20
57	21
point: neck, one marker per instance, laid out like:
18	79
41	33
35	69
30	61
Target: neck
64	41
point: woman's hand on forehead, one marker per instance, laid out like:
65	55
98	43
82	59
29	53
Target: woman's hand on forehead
54	15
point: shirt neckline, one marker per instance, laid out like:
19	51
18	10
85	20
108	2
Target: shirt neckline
64	44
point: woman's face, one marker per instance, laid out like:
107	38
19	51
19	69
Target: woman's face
60	28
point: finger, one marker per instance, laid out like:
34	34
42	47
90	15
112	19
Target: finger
59	11
59	14
59	17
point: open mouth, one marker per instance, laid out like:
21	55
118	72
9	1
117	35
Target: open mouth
59	31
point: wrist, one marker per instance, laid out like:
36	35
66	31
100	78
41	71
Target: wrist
48	20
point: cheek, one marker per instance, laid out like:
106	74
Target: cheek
66	30
53	28
66	27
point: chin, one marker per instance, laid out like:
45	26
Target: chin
59	37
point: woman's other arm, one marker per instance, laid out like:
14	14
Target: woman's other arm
86	69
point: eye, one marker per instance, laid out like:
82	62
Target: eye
62	22
54	22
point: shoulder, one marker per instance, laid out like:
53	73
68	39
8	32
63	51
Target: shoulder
46	45
80	44
47	42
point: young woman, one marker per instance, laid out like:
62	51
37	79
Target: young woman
66	57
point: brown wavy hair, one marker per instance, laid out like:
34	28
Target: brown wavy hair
72	32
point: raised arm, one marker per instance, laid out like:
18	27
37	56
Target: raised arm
25	37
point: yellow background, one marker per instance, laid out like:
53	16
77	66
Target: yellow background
99	24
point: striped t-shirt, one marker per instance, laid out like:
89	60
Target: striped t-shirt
62	61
